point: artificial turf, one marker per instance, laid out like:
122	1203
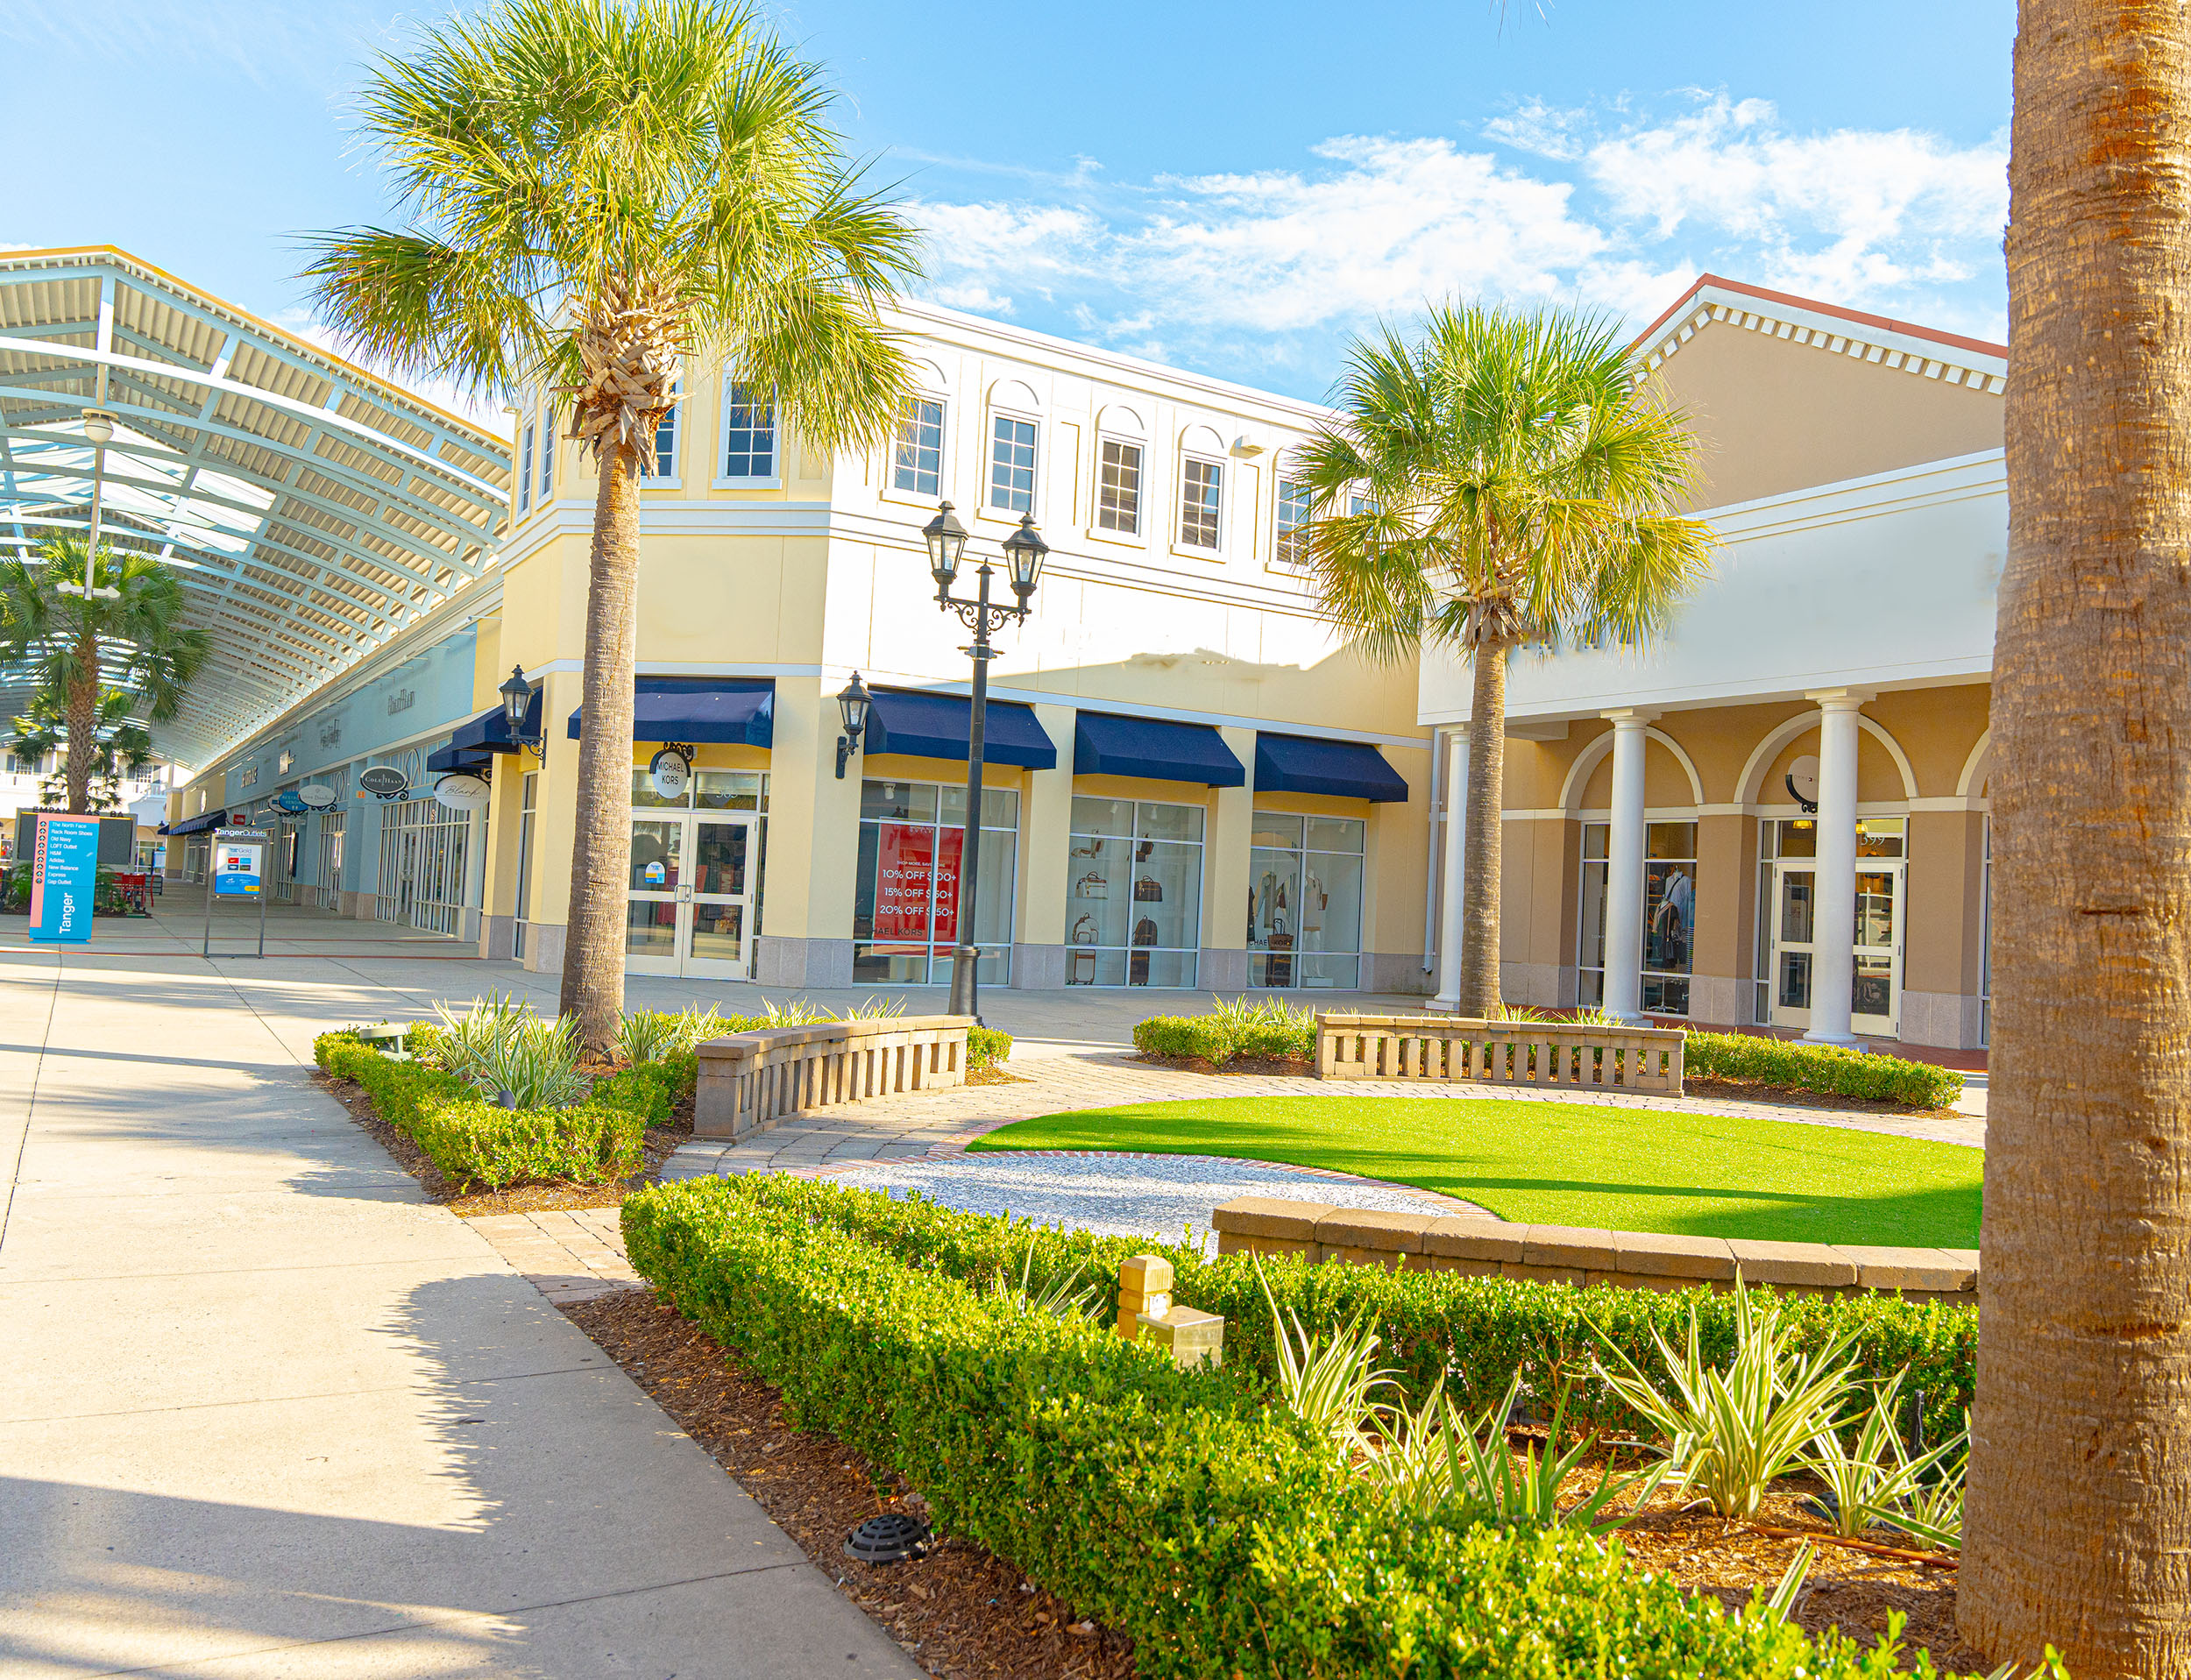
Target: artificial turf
1570	1164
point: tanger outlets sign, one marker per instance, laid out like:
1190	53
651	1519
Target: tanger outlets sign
911	878
64	874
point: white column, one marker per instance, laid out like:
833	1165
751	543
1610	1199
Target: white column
1624	869
1833	932
1452	867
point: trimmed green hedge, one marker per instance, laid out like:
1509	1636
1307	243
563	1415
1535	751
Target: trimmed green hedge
1221	1039
1479	1331
474	1143
1820	1068
1177	1506
986	1046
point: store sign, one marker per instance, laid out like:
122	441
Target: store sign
290	802
385	782
239	856
462	791
667	773
64	876
315	796
910	876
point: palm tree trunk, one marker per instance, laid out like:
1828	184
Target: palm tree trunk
83	714
2078	1524
600	856
1481	858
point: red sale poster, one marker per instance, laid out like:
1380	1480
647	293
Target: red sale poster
908	874
954	842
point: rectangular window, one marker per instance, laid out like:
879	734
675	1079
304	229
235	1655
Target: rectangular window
665	462
1292	548
530	804
525	470
905	891
1012	464
547	453
1200	499
1118	490
1305	901
916	464
1133	904
748	434
1669	916
1589	919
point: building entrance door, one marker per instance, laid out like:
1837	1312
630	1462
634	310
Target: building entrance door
691	909
1876	997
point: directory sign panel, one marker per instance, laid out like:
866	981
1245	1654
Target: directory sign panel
238	860
64	878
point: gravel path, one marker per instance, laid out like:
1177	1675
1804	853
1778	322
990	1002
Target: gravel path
1127	1196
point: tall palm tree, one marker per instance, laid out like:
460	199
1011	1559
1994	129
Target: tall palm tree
596	189
120	746
78	649
1503	479
2078	1520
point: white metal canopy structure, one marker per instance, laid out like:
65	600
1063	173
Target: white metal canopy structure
312	510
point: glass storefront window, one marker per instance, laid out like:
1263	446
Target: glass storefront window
1133	902
1669	916
1305	901
905	903
1879	836
1590	919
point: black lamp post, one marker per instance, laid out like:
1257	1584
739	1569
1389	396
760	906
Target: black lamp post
1024	552
853	702
517	699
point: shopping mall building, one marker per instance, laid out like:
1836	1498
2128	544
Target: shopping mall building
1191	782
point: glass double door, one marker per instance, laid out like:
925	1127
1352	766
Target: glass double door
691	897
1875	993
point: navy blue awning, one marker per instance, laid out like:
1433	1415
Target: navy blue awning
199	824
940	726
453	758
1345	769
738	711
490	730
1105	744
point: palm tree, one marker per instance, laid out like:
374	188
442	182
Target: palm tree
2077	1527
78	651
1500	481
596	189
120	747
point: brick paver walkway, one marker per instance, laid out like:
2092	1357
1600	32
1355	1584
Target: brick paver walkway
569	1257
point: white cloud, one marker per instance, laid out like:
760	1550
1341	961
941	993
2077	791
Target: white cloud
1611	207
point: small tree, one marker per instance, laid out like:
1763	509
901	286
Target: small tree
599	189
120	748
80	651
1504	480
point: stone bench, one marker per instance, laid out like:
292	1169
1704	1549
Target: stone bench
1481	1246
749	1082
1451	1049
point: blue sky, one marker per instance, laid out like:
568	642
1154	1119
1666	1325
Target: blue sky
1232	190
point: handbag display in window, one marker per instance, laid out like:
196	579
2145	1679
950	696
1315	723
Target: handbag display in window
1092	885
1084	931
1144	932
1093	847
1148	890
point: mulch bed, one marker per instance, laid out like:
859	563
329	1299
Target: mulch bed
658	1146
992	1076
958	1612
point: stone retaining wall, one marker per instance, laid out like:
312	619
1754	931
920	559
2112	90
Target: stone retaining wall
1482	1246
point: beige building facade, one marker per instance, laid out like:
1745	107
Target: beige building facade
1777	815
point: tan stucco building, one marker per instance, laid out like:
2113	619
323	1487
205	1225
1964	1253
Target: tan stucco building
1806	750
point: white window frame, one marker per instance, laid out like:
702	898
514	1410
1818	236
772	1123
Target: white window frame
525	469
989	506
723	481
1180	544
891	488
1139	534
547	453
1279	479
674	419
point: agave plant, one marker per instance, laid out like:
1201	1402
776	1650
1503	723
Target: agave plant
1438	1463
873	1008
467	1040
1933	1510
1060	1298
537	1066
797	1012
1737	1431
647	1035
1872	1479
1780	1604
1327	1384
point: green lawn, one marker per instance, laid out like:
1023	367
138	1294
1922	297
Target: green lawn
1561	1164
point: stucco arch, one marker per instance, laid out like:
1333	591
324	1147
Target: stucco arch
928	377
1014	393
1200	440
1746	787
1120	421
1587	760
1977	769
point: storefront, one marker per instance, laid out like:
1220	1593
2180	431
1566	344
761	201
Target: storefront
697	841
905	907
1135	902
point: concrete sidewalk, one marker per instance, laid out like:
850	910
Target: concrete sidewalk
267	1411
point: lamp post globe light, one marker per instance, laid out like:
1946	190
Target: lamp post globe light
1023	552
